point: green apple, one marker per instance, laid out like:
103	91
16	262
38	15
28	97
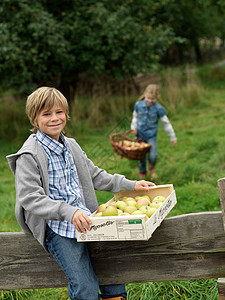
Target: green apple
142	202
102	207
98	214
121	205
142	196
144	208
122	198
156	204
131	202
130	209
124	214
110	210
159	198
119	211
150	211
138	212
129	199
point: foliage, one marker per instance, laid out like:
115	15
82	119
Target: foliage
52	42
193	21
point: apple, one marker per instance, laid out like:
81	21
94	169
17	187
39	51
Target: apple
121	205
110	210
138	212
122	198
150	211
156	204
129	199
144	208
131	202
142	196
130	209
124	214
159	198
119	211
98	214
113	203
142	202
101	207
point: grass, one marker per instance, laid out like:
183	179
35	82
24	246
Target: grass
193	166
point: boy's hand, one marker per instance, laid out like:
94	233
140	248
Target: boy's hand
143	185
81	221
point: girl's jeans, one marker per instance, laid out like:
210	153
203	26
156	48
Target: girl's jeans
74	260
152	156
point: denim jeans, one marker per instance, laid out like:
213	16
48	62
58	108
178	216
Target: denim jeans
152	155
73	258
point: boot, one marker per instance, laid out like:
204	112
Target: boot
152	172
142	176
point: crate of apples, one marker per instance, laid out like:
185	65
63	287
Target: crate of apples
125	206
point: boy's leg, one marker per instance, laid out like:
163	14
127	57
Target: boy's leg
74	260
115	290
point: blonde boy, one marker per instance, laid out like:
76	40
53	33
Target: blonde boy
55	192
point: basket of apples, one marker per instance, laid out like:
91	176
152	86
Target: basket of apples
127	147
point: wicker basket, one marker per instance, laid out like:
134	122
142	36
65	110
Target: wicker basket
120	144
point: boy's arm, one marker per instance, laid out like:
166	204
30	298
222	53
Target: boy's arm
104	181
168	128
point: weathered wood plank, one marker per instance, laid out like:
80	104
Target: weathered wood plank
25	264
221	188
221	288
183	248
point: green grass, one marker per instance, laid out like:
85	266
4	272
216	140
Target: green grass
193	166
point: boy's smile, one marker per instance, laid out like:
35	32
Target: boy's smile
51	121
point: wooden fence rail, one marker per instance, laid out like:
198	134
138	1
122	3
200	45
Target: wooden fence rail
184	247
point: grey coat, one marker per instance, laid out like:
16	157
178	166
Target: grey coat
33	204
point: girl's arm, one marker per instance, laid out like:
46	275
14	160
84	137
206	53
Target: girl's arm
169	129
134	122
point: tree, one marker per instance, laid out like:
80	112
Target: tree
50	42
192	20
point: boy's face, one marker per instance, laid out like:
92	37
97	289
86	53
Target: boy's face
51	121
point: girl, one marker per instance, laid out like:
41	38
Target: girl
146	114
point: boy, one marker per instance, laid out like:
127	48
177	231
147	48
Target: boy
55	192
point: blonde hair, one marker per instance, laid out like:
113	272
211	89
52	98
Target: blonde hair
44	97
151	91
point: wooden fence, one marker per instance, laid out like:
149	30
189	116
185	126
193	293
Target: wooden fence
184	247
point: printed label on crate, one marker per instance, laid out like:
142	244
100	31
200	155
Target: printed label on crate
114	230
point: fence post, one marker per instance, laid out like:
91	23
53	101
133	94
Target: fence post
221	187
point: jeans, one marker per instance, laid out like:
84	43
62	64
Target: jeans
73	258
152	155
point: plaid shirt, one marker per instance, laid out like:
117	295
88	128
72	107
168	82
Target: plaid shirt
63	180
